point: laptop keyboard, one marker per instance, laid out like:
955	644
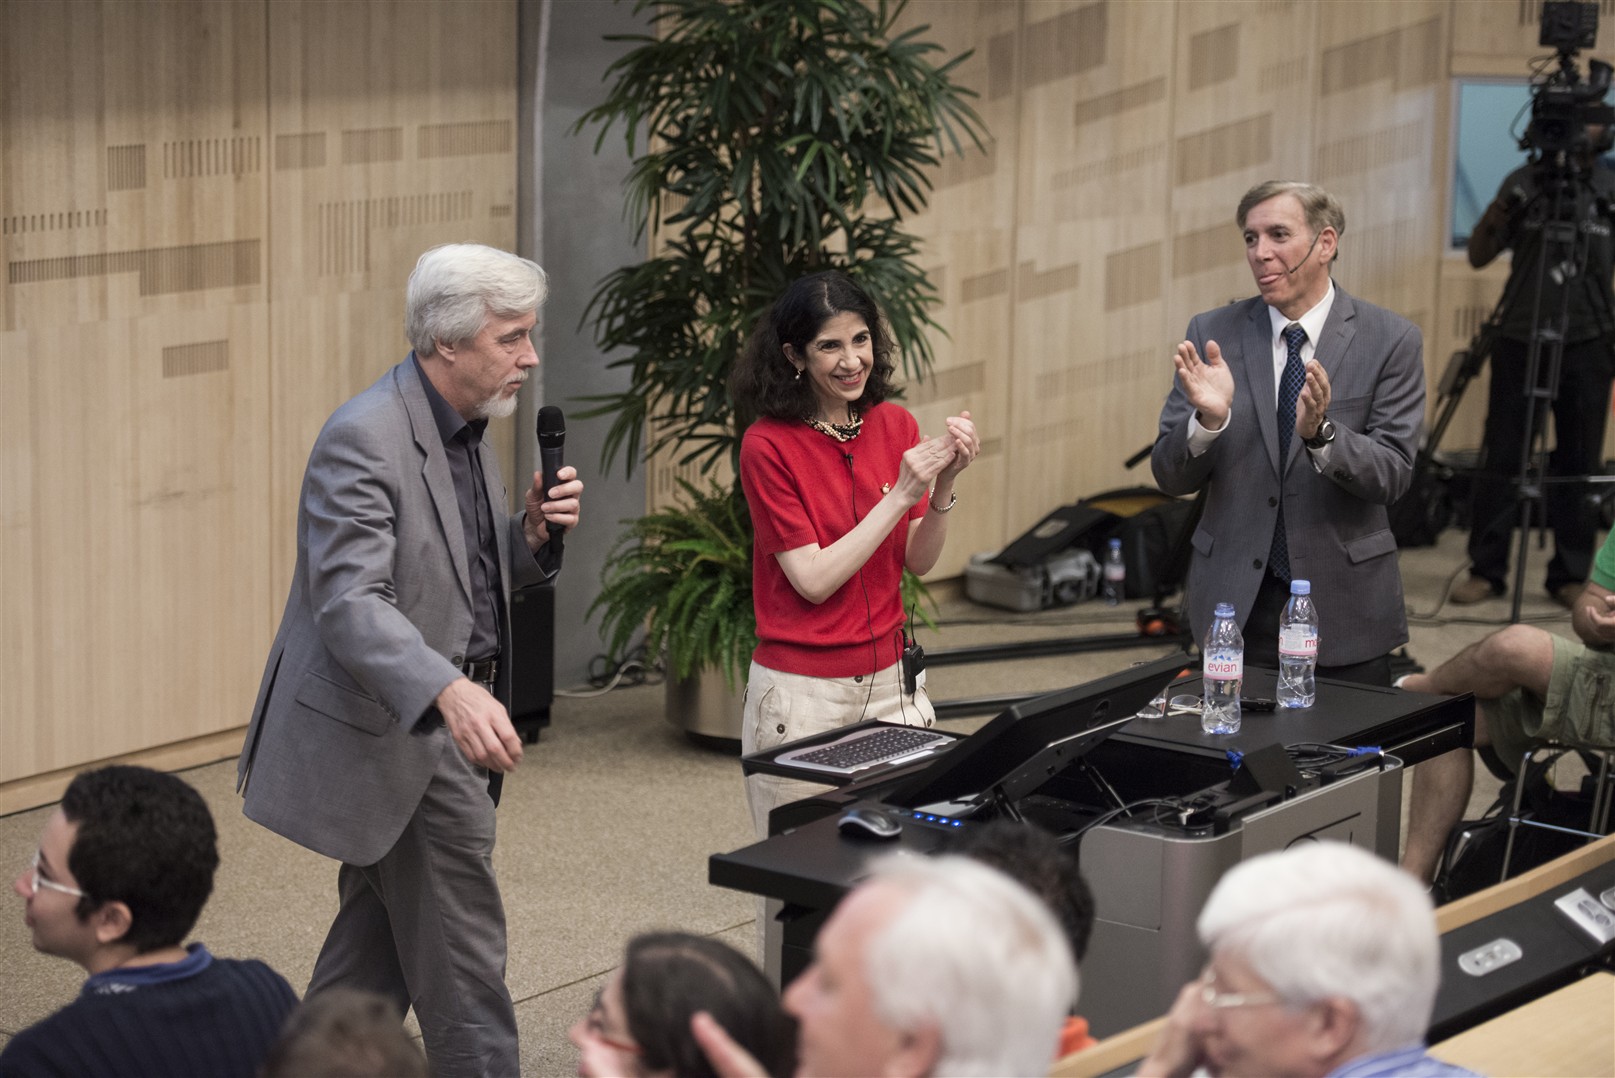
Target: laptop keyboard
867	748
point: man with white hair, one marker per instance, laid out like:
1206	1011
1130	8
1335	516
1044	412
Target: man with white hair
381	728
1324	962
932	966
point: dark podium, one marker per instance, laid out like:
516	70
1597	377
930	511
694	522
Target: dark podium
1156	810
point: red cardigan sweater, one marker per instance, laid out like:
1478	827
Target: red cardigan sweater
805	487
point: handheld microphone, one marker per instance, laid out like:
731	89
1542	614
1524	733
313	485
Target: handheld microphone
551	439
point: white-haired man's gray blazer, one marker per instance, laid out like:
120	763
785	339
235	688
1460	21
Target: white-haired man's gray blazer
336	757
1335	521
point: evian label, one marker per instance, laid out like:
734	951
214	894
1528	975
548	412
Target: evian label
1223	666
1300	641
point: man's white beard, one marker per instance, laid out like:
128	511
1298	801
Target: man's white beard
498	406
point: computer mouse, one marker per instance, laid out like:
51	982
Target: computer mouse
866	822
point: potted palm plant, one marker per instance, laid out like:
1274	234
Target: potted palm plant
770	139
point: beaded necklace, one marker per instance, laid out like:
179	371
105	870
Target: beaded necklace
841	432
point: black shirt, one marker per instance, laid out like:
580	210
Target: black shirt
1590	301
461	441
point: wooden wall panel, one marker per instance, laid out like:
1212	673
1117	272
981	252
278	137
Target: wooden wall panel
1498	39
1383	100
1133	130
132	231
207	212
21	487
208	209
970	257
390	135
1090	270
1073	254
1235	124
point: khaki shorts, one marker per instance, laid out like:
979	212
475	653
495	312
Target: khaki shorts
1579	706
783	707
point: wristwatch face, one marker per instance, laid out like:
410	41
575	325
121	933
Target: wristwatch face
1325	435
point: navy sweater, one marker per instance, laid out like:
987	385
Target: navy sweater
219	1021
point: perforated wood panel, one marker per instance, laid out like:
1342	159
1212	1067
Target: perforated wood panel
1123	137
414	122
195	273
136	579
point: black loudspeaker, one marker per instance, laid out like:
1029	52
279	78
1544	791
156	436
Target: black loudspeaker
532	659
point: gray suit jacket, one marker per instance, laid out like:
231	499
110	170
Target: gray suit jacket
1335	523
375	626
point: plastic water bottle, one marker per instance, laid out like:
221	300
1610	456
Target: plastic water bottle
1298	648
1115	574
1222	671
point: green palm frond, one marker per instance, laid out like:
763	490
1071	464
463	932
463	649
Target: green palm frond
684	573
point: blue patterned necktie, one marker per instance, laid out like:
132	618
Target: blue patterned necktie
1290	383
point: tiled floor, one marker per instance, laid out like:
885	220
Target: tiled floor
606	828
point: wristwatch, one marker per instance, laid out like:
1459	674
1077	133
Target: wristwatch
1325	435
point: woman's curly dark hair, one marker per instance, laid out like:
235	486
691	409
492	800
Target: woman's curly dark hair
765	383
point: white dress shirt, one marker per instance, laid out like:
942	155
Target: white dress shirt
1200	438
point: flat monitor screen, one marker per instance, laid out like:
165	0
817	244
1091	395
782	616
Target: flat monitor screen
1026	745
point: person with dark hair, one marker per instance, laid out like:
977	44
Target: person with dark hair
345	1033
122	872
1572	299
1035	859
640	1021
844	494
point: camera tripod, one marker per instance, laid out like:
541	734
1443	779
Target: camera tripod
1562	201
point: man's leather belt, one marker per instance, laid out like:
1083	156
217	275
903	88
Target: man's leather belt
482	673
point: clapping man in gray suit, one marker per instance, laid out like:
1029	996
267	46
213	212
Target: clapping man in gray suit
1297	412
382	710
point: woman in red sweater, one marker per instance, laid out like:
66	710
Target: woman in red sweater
844	494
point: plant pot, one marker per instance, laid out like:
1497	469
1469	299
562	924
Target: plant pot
704	706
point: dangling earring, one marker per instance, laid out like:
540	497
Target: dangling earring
798	374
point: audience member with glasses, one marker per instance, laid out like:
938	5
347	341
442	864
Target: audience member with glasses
640	1021
121	874
1324	960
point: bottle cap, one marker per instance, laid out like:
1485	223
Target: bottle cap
1224	610
1300	587
1115	544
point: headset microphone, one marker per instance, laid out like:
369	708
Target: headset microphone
1306	256
551	439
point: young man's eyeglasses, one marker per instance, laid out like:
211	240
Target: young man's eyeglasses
51	885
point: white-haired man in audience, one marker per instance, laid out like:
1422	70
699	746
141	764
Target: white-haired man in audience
932	966
1324	961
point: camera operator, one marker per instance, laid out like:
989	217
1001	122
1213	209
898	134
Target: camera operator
1576	188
